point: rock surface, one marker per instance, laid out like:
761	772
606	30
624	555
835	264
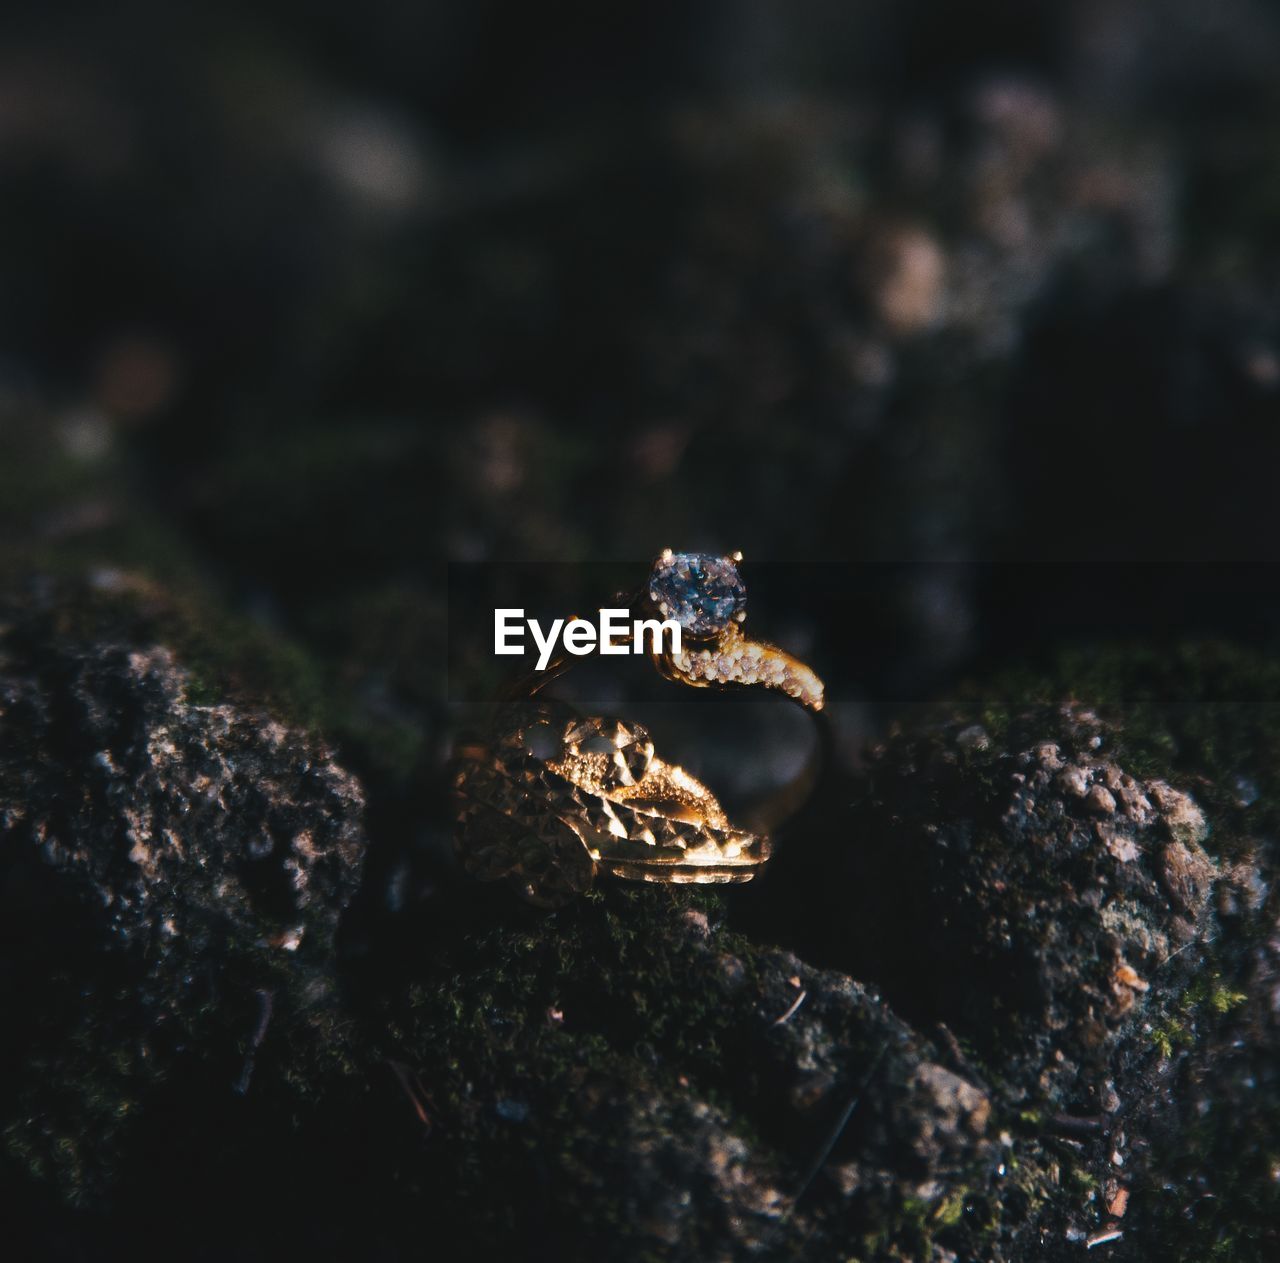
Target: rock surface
651	1083
1038	891
1046	988
172	873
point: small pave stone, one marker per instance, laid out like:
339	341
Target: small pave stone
740	666
701	591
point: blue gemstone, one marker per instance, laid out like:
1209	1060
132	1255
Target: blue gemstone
701	591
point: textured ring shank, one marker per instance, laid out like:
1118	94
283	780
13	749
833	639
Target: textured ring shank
549	826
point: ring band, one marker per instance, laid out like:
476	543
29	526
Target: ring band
551	800
603	805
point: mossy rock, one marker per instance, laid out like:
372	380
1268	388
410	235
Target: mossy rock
173	868
1029	1005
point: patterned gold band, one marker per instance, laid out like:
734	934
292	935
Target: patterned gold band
555	800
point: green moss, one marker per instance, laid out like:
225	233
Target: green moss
1170	1035
948	1212
1222	999
1207	997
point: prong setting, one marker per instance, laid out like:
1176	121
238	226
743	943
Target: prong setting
702	592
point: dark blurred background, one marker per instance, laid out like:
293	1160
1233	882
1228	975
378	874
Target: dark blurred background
299	302
869	280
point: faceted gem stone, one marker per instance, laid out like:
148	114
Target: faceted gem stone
701	591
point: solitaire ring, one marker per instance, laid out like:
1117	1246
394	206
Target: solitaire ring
550	800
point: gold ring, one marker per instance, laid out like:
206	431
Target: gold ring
551	800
